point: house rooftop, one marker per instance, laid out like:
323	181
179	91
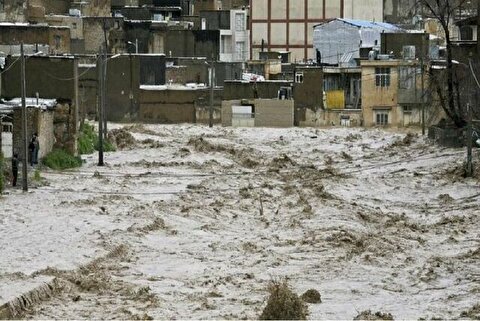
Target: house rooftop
31	102
366	24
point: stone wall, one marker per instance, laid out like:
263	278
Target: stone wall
38	121
177	106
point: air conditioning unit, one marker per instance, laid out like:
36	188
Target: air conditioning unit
372	55
74	13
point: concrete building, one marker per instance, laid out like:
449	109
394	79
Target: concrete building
287	25
95	29
234	4
391	93
467	46
234	34
56	40
178	104
258	113
340	40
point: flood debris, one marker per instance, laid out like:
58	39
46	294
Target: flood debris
312	296
369	315
121	139
283	303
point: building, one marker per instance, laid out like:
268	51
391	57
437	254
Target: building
234	34
258	113
40	120
48	78
341	40
54	40
171	104
287	25
392	93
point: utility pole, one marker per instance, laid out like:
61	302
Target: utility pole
130	94
212	84
24	120
423	94
1	132
478	27
469	169
105	129
101	101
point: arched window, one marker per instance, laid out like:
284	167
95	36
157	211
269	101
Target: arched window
466	33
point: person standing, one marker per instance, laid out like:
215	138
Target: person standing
14	169
31	150
37	148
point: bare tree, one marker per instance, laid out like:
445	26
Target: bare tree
444	12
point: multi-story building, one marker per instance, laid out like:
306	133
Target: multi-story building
392	93
233	32
287	25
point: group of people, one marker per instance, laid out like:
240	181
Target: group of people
33	148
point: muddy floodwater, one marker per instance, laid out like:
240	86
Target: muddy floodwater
189	222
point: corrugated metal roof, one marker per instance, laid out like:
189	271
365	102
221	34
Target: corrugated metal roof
370	24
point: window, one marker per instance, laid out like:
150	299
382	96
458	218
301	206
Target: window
240	50
299	77
382	77
58	40
239	22
226	44
466	33
382	118
407	77
74	25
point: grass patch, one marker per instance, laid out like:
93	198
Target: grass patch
36	176
283	304
88	141
107	146
59	159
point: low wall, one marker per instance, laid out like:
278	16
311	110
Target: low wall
268	112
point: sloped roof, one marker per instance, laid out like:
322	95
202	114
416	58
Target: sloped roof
370	24
367	24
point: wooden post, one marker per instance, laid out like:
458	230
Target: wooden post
101	102
469	169
423	94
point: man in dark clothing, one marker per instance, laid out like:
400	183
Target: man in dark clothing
31	150
15	169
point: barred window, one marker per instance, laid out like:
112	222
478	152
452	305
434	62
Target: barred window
382	77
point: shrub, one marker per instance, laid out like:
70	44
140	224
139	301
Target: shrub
60	159
36	175
283	304
312	296
369	315
88	141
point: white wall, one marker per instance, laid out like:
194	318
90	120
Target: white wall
371	10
